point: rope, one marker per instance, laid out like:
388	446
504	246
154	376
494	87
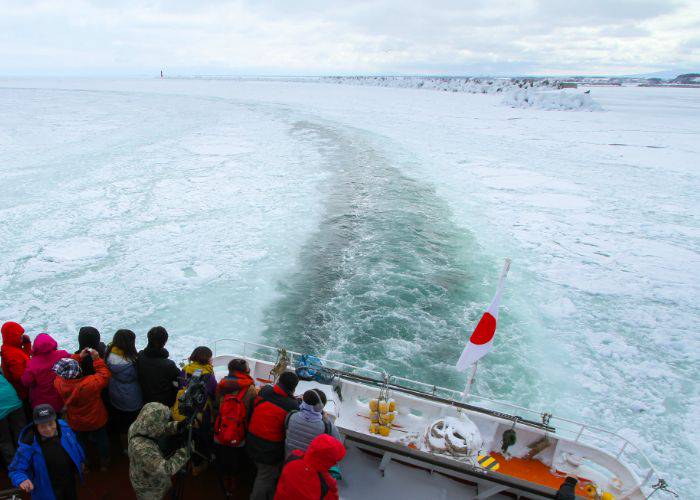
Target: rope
442	432
662	485
281	365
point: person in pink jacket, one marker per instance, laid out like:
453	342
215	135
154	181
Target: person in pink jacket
38	377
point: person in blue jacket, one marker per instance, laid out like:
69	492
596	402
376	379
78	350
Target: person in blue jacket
48	458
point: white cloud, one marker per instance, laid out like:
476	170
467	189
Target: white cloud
327	37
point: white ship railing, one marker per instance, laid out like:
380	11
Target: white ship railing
577	432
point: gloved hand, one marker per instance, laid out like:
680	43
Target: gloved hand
181	426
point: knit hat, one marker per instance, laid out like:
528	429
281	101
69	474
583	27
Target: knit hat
67	368
43	414
316	399
288	382
88	336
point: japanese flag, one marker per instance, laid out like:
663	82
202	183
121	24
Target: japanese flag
481	341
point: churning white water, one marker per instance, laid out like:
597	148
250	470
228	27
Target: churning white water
369	224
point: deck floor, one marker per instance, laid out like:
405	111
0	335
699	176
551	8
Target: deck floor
115	485
534	470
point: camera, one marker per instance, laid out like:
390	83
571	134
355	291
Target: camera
194	398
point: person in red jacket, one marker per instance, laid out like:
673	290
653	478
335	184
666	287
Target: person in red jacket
232	459
14	355
85	412
306	477
266	433
39	375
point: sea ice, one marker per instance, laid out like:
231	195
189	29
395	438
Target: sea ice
378	217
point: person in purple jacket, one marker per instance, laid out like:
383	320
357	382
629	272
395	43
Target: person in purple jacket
39	375
203	435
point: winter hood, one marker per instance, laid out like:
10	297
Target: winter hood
44	344
151	422
12	334
123	370
309	413
235	383
324	452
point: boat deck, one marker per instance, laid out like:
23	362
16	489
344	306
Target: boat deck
570	451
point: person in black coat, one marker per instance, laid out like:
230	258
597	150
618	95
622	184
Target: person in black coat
567	491
158	375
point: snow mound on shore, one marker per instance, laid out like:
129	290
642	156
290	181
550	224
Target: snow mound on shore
446	84
551	100
521	93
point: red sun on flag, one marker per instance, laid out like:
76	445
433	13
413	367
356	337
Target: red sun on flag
484	331
481	339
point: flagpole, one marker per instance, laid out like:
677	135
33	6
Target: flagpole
504	273
470	381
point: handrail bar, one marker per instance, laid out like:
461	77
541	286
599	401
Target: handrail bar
246	342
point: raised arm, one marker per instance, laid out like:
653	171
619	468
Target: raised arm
154	463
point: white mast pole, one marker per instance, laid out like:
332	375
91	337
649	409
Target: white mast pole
470	381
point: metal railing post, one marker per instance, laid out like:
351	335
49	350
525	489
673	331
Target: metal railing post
622	450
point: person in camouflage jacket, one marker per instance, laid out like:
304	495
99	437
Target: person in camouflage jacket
150	472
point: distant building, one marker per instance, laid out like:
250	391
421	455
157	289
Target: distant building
567	85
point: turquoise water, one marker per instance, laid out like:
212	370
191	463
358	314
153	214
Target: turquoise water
385	279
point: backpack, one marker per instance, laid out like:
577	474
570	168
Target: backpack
310	367
176	415
231	423
307	366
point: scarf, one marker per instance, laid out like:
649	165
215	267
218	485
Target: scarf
194	366
115	350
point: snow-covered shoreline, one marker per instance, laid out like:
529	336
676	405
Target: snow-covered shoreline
518	93
540	93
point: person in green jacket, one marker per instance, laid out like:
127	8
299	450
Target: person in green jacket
149	470
12	420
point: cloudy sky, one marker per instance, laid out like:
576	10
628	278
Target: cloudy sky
318	37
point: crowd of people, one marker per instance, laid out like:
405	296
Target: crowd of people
54	404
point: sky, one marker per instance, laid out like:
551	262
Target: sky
326	37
